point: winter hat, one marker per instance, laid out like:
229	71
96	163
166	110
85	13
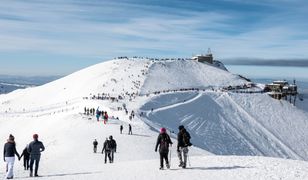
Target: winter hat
181	127
35	136
11	137
162	130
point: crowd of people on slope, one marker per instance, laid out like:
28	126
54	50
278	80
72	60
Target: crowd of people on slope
98	114
102	114
89	111
162	145
31	155
124	95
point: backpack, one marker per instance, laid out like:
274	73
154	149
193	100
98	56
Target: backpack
186	139
107	145
164	143
112	144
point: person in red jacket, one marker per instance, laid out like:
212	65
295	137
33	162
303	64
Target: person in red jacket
105	117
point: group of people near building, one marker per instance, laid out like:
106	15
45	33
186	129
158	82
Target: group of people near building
31	155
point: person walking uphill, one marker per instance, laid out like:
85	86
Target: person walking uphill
182	147
35	148
163	141
9	156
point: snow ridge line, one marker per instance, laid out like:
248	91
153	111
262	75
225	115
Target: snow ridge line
266	131
178	103
157	126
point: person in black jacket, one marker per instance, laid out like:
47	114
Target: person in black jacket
95	143
130	129
182	147
121	129
163	141
26	159
35	148
110	147
106	149
113	148
9	156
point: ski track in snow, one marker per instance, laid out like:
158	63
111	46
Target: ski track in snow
177	104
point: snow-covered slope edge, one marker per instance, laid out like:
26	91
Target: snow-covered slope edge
175	75
234	124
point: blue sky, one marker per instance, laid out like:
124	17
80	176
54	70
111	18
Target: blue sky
57	37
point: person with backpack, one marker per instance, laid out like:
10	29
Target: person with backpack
163	141
9	153
182	147
26	156
95	143
35	148
107	148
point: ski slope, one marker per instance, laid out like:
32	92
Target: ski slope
242	128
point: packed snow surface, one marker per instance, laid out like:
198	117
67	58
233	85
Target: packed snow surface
231	132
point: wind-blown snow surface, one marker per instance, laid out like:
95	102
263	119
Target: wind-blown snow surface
219	122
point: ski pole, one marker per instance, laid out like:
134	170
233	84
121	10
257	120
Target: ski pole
170	159
188	160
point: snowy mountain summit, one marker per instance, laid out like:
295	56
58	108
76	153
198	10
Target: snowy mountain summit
231	131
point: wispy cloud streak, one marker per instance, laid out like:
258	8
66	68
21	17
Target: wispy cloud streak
232	28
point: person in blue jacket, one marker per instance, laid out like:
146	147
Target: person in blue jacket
35	148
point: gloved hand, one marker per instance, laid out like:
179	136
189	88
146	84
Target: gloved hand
155	150
178	150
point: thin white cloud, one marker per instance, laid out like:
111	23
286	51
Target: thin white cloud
113	29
